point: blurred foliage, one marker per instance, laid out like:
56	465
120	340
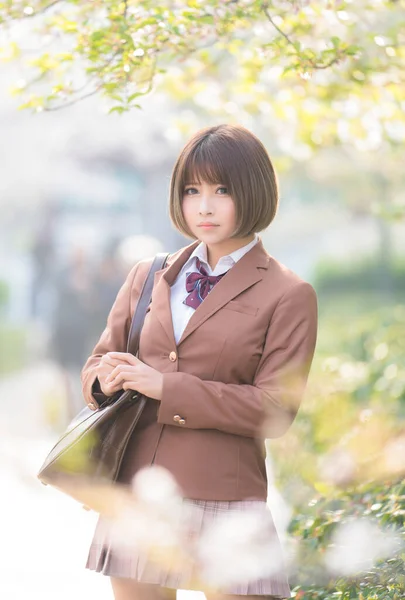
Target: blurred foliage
351	424
344	458
4	295
333	277
366	182
12	338
323	70
383	504
12	348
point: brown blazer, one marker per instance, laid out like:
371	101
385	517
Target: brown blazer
236	376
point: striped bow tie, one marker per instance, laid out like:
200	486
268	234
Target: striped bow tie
199	285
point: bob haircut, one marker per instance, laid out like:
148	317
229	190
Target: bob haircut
233	156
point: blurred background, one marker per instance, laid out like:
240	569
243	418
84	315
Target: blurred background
83	196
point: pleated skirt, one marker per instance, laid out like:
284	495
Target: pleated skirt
109	558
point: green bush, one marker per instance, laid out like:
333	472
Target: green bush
382	504
366	275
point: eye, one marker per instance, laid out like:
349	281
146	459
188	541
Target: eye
222	190
190	191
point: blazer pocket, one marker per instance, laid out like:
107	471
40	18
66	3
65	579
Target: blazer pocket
242	308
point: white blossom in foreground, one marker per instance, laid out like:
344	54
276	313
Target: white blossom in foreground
214	552
236	548
337	467
152	522
357	545
155	486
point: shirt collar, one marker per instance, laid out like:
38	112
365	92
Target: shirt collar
225	262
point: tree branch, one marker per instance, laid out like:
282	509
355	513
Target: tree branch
99	87
87	83
73	101
312	64
269	17
102	69
318	66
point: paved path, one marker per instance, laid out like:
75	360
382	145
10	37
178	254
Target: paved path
44	534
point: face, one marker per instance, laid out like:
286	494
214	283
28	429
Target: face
209	212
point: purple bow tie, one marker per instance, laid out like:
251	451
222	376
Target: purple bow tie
199	285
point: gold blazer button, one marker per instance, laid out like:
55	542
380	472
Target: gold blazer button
172	356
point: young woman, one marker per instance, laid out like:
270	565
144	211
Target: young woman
224	353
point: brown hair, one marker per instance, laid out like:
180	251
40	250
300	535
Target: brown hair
233	156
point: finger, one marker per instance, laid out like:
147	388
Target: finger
106	367
112	362
118	369
110	389
129	385
108	373
124	356
128	376
103	373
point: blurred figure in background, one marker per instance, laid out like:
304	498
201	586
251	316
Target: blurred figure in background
83	297
111	273
107	280
71	325
43	254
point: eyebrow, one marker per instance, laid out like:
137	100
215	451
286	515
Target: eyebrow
196	183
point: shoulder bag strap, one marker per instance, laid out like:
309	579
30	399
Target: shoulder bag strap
159	262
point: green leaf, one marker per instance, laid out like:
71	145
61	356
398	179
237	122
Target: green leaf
207	19
118	109
133	96
335	41
352	50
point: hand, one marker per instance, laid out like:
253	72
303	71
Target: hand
133	374
106	365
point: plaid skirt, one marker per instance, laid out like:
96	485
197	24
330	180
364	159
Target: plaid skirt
108	558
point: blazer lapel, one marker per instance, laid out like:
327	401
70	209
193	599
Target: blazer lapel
161	289
245	273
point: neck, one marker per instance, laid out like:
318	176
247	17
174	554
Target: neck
217	251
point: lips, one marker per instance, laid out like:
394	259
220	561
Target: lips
207	225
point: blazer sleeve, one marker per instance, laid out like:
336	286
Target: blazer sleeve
268	407
114	337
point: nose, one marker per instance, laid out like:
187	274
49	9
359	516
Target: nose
205	207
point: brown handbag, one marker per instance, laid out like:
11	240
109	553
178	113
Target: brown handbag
93	445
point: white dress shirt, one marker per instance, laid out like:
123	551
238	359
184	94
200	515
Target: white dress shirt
181	312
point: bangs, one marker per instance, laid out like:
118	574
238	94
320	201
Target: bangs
205	163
